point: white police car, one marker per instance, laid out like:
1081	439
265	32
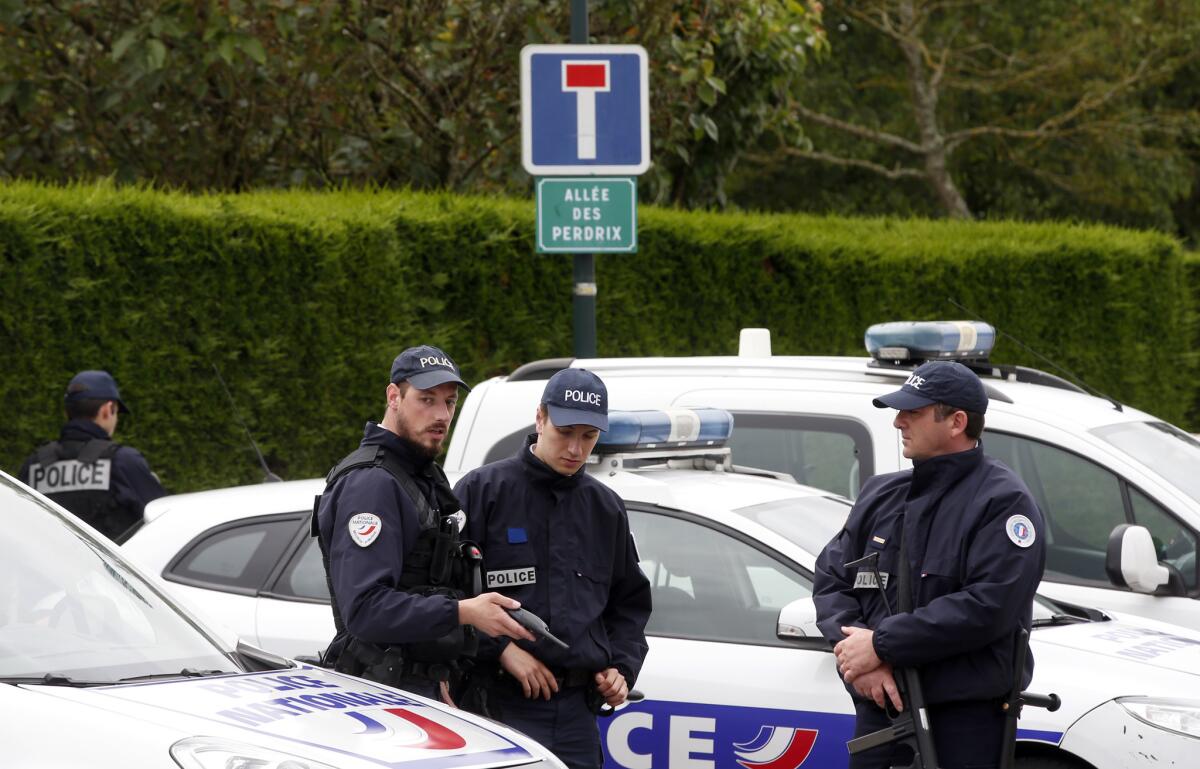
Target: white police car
98	668
737	675
1099	470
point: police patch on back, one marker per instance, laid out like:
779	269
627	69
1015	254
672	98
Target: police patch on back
1020	530
364	528
71	475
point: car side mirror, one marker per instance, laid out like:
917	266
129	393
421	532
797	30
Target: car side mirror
1132	562
797	625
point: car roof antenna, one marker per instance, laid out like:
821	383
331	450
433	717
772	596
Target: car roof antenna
269	476
1068	374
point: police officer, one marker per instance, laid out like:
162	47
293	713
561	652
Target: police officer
970	536
101	481
401	582
558	540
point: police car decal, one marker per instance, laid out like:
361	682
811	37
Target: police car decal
333	712
364	528
658	734
522	575
1020	530
71	475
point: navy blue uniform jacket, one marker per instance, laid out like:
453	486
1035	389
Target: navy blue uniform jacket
574	532
133	484
973	584
366	580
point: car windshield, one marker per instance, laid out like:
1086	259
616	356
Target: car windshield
69	608
809	522
1163	448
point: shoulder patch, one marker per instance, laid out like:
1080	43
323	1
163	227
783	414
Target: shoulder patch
364	528
1020	530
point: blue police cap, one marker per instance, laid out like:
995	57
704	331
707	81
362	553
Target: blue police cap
425	367
576	396
100	385
938	381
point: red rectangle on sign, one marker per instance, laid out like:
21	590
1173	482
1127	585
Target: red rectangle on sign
587	76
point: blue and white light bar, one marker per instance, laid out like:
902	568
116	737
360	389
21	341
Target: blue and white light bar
665	429
930	340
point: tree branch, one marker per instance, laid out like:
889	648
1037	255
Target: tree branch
871	134
895	172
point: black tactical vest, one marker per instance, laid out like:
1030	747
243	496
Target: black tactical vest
78	476
438	564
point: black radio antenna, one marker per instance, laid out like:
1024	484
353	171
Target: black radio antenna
1070	375
269	476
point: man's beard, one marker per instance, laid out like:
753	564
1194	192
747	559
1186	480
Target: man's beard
413	439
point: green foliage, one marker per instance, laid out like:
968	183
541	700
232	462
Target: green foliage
302	300
254	93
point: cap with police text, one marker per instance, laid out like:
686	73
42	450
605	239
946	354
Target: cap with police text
576	396
938	381
99	385
425	367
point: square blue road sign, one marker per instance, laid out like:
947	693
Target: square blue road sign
585	109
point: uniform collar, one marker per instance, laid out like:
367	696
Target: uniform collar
409	455
939	473
83	430
543	473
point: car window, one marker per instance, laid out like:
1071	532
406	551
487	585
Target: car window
234	557
304	576
1175	543
830	453
1163	448
1082	503
708	584
69	606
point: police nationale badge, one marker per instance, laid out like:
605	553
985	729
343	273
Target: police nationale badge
364	528
459	517
1020	530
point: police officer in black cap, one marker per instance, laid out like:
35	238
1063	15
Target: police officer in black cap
400	579
558	540
963	535
101	481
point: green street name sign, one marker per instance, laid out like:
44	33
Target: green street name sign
586	215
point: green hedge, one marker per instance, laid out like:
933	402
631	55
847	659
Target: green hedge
302	299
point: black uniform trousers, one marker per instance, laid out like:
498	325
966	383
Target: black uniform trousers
563	724
966	735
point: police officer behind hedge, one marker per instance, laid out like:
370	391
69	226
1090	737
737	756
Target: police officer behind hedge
101	481
399	578
558	540
972	535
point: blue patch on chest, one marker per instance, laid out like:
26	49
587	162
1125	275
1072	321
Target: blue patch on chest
516	536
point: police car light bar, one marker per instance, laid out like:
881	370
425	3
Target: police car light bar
930	340
665	429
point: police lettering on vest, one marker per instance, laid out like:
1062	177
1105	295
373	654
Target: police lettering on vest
579	396
526	575
71	475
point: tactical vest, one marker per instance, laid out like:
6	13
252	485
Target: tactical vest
78	476
438	564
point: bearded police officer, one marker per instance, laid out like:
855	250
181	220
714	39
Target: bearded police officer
559	541
401	582
104	483
961	551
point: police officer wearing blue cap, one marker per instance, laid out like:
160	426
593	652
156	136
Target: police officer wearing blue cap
558	540
964	535
101	481
401	581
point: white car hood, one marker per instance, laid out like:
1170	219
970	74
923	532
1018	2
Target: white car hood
308	712
1160	645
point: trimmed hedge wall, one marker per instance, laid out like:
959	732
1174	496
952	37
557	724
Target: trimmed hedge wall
302	300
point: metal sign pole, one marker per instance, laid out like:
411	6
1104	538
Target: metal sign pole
584	299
